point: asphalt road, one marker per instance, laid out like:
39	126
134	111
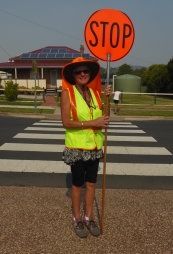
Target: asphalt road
159	130
138	212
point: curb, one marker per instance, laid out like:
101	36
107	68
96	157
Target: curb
57	116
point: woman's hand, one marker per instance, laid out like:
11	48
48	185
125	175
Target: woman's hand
108	91
102	121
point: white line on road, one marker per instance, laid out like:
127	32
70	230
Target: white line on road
63	130
61	136
59	148
39	166
60	124
56	121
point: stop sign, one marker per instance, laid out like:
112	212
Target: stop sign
111	32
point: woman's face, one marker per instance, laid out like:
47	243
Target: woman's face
81	75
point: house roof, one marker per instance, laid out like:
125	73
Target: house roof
45	57
28	64
38	51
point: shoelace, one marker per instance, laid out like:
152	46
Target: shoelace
80	225
92	224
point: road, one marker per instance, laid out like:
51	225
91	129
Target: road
139	154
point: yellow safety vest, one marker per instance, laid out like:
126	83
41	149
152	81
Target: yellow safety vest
86	139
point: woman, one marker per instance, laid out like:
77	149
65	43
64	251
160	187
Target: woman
81	111
116	99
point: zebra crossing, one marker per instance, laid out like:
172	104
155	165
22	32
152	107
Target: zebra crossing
39	149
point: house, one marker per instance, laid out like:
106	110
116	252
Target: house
50	61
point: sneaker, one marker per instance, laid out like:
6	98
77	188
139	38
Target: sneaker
91	225
79	228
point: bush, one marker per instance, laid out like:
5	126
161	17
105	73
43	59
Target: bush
22	92
11	91
37	88
1	87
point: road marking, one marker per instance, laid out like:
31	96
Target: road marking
59	148
39	166
63	130
60	124
56	121
62	136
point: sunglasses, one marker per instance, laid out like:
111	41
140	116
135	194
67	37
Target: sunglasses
80	72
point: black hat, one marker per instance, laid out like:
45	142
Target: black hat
68	69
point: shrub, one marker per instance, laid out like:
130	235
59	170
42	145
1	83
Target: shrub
11	91
37	88
1	87
22	92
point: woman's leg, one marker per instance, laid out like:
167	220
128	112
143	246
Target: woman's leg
90	181
89	197
76	200
78	176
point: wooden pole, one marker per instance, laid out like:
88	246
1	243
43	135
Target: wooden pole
106	112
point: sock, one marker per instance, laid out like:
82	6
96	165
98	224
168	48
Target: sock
87	218
74	219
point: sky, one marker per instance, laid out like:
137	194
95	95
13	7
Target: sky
30	25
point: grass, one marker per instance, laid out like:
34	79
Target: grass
138	112
144	105
132	105
26	110
20	101
23	102
146	99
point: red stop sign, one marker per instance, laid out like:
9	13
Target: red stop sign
111	32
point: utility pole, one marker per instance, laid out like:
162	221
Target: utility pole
35	71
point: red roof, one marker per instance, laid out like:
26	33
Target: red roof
17	62
28	64
69	50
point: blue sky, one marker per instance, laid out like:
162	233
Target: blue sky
30	25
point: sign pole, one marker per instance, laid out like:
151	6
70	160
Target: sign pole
109	35
35	71
106	112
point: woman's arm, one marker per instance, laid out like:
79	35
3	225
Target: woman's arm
102	121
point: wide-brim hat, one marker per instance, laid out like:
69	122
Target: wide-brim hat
80	61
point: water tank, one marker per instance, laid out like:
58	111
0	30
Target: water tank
127	83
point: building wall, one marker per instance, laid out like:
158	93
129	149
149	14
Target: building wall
23	73
24	78
30	83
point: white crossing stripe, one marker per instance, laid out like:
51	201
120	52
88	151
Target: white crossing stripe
62	136
56	121
63	130
60	124
39	166
59	148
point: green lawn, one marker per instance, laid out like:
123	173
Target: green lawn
132	105
26	110
20	101
145	99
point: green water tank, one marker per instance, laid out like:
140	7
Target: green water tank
127	83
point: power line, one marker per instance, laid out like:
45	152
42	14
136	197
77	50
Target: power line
54	31
40	25
4	51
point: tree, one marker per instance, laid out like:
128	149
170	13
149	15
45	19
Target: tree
170	74
140	73
156	78
124	69
103	72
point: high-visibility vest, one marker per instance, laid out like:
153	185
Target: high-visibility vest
85	139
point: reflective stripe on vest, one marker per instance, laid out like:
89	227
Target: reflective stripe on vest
73	100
